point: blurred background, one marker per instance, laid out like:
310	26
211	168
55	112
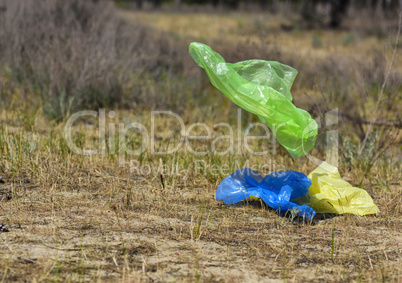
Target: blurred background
58	57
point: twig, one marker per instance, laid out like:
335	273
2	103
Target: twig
59	249
373	123
360	120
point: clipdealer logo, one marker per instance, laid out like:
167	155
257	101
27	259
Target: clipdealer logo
236	140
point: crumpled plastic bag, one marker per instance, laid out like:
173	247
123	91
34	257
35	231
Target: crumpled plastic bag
276	189
329	193
262	88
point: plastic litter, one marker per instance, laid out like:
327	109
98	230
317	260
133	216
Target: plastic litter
262	88
276	189
329	193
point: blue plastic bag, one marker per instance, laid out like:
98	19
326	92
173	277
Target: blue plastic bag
276	190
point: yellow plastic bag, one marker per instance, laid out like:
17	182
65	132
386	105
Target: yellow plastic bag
329	193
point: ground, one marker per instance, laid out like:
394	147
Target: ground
87	224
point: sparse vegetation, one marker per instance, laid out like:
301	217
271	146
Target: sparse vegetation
154	217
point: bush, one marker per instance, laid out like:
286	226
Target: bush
67	55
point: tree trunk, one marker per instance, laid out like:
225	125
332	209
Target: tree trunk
338	11
378	9
177	4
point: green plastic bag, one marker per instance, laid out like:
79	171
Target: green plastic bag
262	88
329	193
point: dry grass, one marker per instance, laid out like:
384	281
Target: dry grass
79	218
86	219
